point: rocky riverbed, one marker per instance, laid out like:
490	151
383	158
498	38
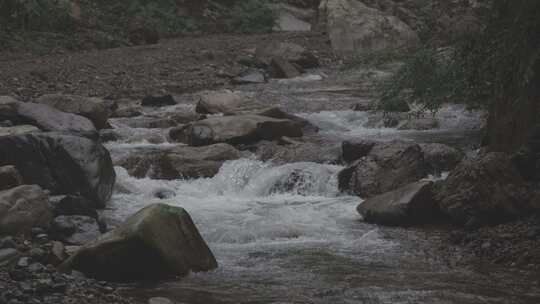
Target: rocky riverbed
258	155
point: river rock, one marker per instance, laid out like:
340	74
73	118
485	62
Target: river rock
158	101
421	124
249	77
8	256
354	28
73	205
441	157
280	154
180	162
23	208
9	177
17	130
288	51
132	111
238	129
388	166
92	108
408	205
75	229
281	68
485	189
61	163
292	19
48	118
356	149
158	242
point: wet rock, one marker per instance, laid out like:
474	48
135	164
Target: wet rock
127	112
356	149
408	205
281	68
238	129
249	77
158	101
180	162
73	205
288	51
159	241
61	163
298	152
9	177
388	166
57	254
354	27
109	135
441	157
75	229
90	107
148	122
18	130
486	188
8	256
23	208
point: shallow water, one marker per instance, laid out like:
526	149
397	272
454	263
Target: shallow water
304	242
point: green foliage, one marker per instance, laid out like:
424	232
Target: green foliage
39	15
160	15
252	16
500	62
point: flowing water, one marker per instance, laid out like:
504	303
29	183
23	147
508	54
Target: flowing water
307	243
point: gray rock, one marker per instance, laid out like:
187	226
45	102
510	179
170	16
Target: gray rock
75	229
8	255
356	149
249	77
408	205
281	68
441	157
158	101
421	124
18	130
160	300
127	112
61	163
23	208
9	177
236	130
48	118
92	108
388	166
180	162
160	241
288	51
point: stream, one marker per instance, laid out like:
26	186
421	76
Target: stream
308	244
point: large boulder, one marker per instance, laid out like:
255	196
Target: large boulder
48	118
9	177
180	162
61	163
387	167
160	241
356	149
238	129
408	205
23	208
441	157
485	189
90	107
354	28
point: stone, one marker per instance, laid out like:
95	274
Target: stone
159	241
356	149
159	300
8	255
158	101
388	166
408	205
48	118
23	208
18	130
237	129
75	229
355	28
73	205
281	68
291	52
127	112
180	162
486	188
9	177
90	107
441	157
249	77
322	153
62	164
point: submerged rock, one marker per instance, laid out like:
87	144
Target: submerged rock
484	189
387	167
89	107
158	242
61	163
238	129
408	205
23	208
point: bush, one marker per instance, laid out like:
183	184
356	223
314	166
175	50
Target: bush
40	15
160	15
252	16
